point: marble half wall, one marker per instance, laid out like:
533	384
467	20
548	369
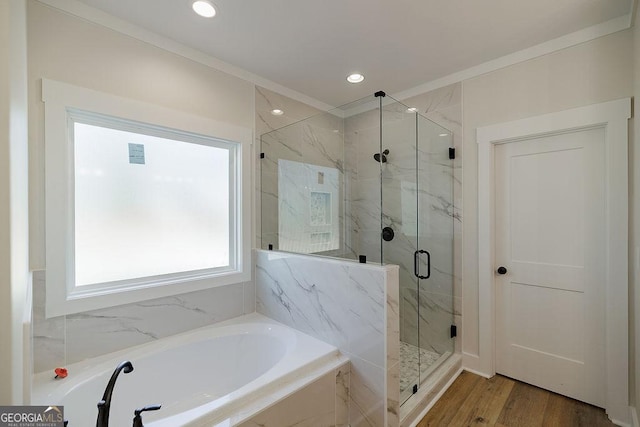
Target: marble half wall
350	305
60	341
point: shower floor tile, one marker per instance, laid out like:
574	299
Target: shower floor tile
412	361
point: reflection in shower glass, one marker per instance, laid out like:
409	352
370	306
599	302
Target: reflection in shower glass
307	214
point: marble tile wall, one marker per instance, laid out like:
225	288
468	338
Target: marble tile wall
350	305
63	340
320	404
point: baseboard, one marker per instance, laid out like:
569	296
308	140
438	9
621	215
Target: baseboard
473	371
620	423
634	417
472	363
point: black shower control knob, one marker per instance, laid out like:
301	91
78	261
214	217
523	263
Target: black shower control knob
501	270
388	234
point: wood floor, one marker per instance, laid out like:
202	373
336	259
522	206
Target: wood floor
502	402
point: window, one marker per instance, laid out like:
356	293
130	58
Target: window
147	205
137	210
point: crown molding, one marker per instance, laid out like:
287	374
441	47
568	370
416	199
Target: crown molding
587	34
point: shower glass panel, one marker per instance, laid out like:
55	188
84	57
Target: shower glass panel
435	236
400	214
310	185
371	178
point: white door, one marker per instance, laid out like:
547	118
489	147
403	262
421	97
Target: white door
550	236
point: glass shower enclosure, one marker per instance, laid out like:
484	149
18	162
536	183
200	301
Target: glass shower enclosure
371	179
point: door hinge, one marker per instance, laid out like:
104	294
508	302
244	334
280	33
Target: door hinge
452	153
454	331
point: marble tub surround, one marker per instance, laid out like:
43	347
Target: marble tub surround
322	403
63	340
350	305
48	334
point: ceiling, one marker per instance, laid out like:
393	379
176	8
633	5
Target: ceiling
311	46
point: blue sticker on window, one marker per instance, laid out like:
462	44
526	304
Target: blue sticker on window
136	154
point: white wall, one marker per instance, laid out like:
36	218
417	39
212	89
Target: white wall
68	49
14	271
592	72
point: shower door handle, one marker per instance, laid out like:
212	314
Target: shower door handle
416	261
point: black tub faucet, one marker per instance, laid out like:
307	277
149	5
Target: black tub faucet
137	419
105	404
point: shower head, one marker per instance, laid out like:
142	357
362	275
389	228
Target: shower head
384	156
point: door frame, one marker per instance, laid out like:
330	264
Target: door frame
613	117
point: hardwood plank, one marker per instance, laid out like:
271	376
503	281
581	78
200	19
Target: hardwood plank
559	412
445	409
562	411
525	406
485	402
502	402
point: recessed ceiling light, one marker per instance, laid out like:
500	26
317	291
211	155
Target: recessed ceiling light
412	110
355	78
444	134
204	8
277	112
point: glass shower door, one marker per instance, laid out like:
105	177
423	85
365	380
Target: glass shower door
417	234
434	256
400	229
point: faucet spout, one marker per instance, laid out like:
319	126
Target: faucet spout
105	404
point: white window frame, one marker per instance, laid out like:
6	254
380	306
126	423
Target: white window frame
61	101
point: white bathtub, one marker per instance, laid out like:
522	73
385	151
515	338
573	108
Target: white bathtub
206	377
